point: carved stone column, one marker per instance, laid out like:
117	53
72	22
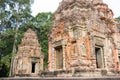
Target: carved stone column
106	51
53	52
63	46
64	50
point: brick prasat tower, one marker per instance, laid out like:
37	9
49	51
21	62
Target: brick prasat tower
84	36
29	59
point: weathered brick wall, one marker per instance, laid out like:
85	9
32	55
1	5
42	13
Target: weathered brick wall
29	52
83	28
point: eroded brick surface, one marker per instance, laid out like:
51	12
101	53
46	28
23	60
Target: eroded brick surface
84	36
29	59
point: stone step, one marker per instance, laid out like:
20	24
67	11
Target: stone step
61	78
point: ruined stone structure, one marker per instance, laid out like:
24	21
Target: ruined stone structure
29	59
84	36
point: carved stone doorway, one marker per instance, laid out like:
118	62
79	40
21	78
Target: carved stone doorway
33	67
59	57
99	57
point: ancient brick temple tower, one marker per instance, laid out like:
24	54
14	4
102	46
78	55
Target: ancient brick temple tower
84	36
29	59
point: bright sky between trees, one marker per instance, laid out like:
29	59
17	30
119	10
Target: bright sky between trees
52	5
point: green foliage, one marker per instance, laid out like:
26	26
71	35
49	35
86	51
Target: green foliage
5	64
6	46
13	15
43	25
118	19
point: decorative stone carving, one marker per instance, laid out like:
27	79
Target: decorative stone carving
83	49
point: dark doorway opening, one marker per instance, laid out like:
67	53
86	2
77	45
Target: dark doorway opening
59	57
99	57
33	67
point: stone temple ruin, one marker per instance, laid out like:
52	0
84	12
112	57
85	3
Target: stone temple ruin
84	37
84	41
29	59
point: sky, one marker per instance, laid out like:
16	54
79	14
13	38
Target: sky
52	5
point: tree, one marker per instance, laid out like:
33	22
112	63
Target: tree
6	46
13	15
